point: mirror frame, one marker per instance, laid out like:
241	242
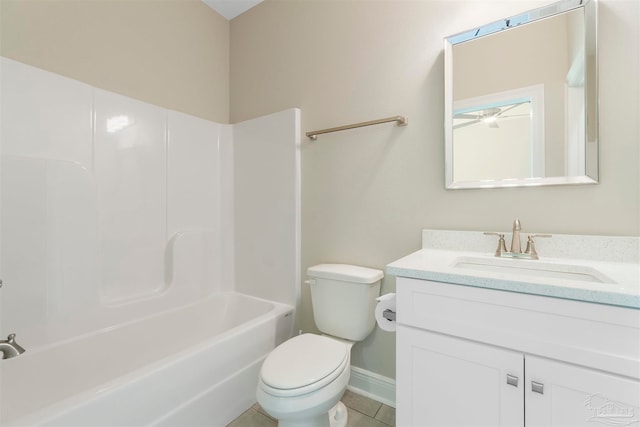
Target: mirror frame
591	85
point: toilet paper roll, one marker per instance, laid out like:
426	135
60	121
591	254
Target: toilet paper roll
386	302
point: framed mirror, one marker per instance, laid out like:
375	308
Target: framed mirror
521	100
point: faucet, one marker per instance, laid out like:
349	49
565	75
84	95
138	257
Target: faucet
516	247
10	348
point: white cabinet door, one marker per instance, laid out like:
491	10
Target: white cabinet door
447	381
568	395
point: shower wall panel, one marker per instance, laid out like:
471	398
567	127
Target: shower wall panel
267	206
47	196
130	169
194	173
194	202
109	207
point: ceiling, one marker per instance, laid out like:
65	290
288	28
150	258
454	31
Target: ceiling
231	8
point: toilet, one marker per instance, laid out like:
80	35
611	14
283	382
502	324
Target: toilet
303	379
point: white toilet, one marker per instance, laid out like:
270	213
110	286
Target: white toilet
303	379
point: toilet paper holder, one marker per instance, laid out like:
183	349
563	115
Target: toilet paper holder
389	315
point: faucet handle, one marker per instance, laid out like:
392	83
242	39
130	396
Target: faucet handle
531	247
502	246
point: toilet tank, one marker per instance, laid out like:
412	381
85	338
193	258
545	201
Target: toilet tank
344	299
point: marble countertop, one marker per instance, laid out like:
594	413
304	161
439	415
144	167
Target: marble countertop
613	279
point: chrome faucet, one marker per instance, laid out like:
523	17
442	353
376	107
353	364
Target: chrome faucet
10	348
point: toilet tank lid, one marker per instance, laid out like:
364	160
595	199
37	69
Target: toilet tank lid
345	272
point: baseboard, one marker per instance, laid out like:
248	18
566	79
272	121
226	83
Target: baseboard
375	386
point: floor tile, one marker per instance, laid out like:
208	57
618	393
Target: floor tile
360	403
387	415
258	408
253	418
363	412
358	419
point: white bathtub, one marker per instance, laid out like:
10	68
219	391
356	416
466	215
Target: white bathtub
193	365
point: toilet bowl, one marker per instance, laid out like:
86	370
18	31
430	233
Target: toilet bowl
303	379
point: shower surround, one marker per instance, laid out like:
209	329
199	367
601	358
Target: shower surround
115	214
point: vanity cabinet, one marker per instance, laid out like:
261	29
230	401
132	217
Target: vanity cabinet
577	396
441	381
470	356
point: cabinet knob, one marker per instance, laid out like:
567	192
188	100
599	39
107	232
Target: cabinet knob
512	380
537	387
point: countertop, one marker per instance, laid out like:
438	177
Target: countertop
616	282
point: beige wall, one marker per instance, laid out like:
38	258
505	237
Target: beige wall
367	193
172	53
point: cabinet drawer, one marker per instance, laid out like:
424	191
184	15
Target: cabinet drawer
593	335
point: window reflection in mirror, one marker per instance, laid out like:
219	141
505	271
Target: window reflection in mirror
518	99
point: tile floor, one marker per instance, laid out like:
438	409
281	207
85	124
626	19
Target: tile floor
363	412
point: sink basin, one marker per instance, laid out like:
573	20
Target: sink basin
533	268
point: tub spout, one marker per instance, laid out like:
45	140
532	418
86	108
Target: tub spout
10	348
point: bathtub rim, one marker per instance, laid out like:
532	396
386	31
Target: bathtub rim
146	317
75	401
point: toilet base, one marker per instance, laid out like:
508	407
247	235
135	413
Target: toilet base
336	417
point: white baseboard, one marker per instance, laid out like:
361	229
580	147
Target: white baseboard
375	386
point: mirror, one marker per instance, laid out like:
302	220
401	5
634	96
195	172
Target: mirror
521	100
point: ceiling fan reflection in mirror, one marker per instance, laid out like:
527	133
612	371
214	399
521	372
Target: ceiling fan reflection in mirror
490	116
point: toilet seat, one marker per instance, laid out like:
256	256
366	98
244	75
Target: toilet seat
303	364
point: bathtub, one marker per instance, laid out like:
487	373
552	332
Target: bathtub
193	365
